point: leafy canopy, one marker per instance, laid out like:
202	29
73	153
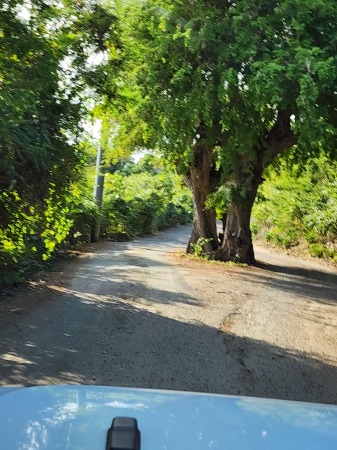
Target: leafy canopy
234	67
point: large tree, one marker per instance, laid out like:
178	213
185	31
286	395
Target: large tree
280	92
226	87
177	108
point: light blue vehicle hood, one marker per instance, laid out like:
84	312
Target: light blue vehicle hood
78	417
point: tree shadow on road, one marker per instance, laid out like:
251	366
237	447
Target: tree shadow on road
119	344
130	279
313	284
311	274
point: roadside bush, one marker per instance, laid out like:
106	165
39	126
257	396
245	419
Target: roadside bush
295	207
135	205
84	217
176	214
283	238
16	232
29	233
320	251
143	203
199	247
254	228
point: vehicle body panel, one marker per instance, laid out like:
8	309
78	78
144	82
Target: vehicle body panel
78	417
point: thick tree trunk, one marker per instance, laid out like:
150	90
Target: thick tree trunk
237	242
202	181
204	222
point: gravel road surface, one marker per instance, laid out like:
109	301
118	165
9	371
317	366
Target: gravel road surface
139	314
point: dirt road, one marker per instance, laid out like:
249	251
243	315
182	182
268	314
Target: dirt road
136	314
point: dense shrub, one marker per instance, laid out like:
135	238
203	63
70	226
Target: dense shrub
31	232
135	205
143	203
44	81
83	216
300	207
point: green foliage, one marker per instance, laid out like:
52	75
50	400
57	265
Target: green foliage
254	228
199	247
144	202
45	79
240	81
220	200
300	207
283	238
83	215
231	64
321	251
32	232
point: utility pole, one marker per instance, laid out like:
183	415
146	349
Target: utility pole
98	191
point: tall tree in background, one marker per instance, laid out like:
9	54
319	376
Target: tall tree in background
226	88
